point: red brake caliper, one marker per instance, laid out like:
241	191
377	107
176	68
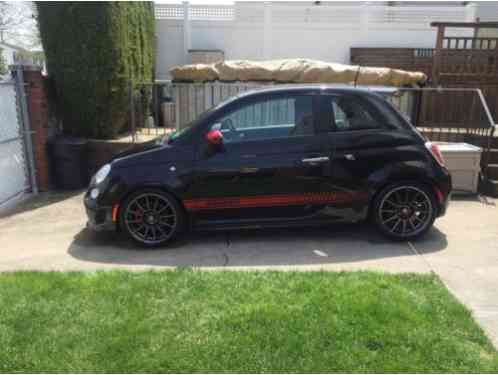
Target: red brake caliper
138	214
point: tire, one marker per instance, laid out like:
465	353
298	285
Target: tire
151	217
404	211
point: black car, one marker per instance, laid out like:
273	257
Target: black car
284	156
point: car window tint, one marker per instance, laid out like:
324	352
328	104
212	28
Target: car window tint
268	119
391	114
349	114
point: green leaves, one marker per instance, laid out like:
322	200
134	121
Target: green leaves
94	51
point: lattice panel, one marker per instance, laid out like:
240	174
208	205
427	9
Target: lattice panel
414	15
168	12
251	13
196	13
215	13
316	14
332	13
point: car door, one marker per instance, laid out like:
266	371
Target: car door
362	141
270	166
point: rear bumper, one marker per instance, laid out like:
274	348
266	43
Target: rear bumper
443	206
99	218
443	192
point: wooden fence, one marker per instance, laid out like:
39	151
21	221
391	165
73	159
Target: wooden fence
176	105
415	59
459	109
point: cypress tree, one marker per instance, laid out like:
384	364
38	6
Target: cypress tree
93	51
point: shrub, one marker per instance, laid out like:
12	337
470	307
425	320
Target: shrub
94	51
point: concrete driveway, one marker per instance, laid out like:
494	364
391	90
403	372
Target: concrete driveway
48	233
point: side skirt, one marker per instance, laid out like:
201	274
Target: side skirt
267	223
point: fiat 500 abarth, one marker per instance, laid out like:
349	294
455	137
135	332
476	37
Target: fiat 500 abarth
284	156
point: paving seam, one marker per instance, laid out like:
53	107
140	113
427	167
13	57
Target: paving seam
415	251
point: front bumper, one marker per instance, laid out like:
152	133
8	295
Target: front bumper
99	218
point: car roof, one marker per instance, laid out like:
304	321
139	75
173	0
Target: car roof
330	88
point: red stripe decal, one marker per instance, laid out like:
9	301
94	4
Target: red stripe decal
271	200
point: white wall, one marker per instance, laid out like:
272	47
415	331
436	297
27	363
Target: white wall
169	46
263	30
487	11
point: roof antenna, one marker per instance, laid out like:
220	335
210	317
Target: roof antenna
357	75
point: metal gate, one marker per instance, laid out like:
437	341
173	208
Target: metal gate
15	174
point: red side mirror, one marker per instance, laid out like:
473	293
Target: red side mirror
214	137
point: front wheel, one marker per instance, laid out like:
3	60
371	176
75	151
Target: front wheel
404	211
151	217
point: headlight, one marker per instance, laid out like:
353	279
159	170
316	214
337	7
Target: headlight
94	193
101	174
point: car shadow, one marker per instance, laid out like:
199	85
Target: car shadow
248	248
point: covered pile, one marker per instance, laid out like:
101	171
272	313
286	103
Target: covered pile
295	71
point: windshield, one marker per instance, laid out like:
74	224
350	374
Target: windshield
176	134
191	126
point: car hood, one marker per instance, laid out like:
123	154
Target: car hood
154	152
137	149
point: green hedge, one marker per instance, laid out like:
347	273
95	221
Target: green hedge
93	51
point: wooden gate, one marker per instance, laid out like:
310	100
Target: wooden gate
464	60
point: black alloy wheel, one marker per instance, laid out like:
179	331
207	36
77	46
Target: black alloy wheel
405	211
152	217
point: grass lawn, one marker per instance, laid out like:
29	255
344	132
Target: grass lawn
190	321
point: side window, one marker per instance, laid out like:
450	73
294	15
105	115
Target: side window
350	114
268	119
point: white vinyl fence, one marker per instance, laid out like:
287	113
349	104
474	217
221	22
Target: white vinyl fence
272	30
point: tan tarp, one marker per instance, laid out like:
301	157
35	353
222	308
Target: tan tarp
295	71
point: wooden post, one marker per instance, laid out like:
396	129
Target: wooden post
436	60
476	29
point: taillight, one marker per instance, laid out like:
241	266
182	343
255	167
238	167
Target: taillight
432	147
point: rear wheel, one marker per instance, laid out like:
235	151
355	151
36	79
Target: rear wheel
152	217
404	211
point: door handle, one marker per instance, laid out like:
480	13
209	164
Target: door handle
349	157
249	170
317	160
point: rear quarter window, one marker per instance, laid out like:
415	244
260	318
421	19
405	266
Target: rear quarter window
391	115
352	113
